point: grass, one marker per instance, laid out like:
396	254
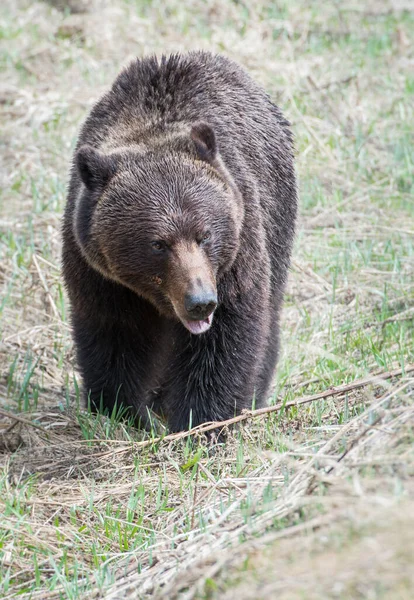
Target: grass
309	501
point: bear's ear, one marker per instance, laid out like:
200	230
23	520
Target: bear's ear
94	168
204	140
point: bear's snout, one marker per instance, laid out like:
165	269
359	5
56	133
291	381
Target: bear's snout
192	287
200	305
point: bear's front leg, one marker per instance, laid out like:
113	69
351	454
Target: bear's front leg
114	364
216	374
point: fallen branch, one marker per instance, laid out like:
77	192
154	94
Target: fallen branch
206	427
22	420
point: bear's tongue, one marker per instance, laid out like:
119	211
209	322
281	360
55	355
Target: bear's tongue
197	327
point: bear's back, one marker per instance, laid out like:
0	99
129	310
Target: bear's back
198	86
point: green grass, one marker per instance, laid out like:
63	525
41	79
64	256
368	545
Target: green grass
85	508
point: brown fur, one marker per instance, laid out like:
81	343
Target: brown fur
169	217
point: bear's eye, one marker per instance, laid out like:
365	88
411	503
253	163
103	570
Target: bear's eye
205	237
158	245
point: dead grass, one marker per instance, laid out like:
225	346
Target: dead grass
306	486
339	559
311	501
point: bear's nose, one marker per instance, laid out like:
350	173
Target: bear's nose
200	306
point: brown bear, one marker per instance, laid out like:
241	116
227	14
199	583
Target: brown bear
177	238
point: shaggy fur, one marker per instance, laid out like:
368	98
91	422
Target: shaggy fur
182	195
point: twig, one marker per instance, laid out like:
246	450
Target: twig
401	316
329	84
194	498
333	391
355	197
354	443
345	428
10	415
327	100
405	315
323	146
48	294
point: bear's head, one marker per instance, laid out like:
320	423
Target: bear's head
164	223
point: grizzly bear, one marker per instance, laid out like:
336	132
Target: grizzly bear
177	237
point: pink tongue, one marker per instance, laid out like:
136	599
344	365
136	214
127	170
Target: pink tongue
197	327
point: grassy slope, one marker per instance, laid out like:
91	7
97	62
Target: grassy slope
310	491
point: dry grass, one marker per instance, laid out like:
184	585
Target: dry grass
310	501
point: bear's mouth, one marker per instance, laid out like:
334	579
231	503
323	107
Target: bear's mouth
197	327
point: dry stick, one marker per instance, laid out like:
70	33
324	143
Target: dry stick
329	444
194	498
9	415
321	144
326	98
354	442
330	84
333	391
405	315
355	197
48	294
